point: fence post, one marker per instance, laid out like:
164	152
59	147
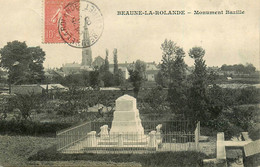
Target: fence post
152	142
91	140
120	140
58	141
197	135
221	150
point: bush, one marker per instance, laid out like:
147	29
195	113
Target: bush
206	131
164	159
223	124
236	120
254	132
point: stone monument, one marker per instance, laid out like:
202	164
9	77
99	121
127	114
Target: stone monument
126	120
126	133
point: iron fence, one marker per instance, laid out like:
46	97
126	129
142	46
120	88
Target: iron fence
89	137
72	136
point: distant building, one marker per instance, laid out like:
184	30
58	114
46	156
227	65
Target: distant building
37	89
121	66
151	74
26	89
53	87
151	66
151	71
98	62
71	68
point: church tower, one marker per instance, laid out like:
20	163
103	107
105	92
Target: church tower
86	51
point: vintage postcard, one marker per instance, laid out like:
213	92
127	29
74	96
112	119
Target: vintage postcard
129	83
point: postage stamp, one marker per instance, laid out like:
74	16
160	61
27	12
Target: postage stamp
53	11
78	23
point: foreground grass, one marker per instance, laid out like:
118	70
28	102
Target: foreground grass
164	159
15	150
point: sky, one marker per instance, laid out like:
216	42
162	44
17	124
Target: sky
227	39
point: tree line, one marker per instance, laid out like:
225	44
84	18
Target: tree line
239	68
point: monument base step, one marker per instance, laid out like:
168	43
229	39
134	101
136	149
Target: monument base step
131	143
124	148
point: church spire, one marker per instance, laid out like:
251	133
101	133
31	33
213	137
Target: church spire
86	51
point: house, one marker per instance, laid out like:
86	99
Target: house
75	68
121	66
151	71
151	66
98	62
151	74
71	68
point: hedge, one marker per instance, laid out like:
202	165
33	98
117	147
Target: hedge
31	128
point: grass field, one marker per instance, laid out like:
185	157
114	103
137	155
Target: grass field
15	151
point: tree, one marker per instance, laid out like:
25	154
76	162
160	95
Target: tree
119	78
106	65
24	105
115	62
160	79
105	75
198	98
155	101
108	78
168	57
216	101
137	75
118	74
197	53
94	77
2	78
249	68
177	92
173	71
23	64
36	71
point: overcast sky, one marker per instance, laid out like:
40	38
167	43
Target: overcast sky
227	39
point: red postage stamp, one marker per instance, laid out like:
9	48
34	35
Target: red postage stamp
65	13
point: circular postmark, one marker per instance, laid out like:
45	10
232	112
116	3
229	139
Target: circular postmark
81	24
